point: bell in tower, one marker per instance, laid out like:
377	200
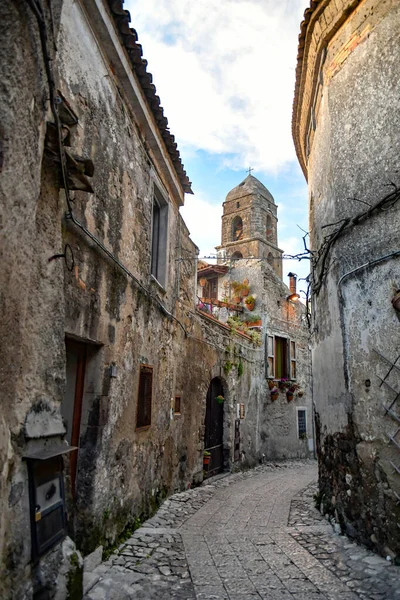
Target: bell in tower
249	224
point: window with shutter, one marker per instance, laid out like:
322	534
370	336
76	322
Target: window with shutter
270	350
144	397
281	358
293	364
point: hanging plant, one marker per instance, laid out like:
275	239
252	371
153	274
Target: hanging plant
220	399
250	302
245	290
271	384
228	366
289	396
283	383
274	394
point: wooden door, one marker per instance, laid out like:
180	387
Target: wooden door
214	428
71	408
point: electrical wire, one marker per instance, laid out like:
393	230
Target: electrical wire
38	12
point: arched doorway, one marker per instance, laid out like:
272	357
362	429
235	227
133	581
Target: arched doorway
214	427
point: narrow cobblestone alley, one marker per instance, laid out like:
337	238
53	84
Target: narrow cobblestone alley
248	535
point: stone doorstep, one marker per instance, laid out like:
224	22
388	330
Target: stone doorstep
89	581
93	560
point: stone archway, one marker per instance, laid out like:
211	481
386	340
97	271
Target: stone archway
214	427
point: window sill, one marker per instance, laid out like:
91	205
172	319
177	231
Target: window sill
158	285
144	428
177	415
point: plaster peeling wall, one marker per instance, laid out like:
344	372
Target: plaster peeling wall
276	421
353	159
122	473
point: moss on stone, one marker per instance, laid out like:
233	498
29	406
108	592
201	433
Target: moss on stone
75	579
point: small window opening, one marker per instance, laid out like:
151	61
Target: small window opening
302	423
281	358
144	397
159	237
177	405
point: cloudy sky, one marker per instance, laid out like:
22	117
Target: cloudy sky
224	71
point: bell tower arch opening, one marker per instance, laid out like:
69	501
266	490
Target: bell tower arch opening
237	228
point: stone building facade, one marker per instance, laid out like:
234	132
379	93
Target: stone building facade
345	128
104	349
249	253
250	224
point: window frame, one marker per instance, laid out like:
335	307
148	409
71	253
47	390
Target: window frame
271	356
292	360
148	370
285	357
178	413
159	237
298	410
290	369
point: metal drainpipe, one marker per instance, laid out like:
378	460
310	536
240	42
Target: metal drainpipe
365	265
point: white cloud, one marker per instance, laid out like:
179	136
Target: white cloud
225	74
204	223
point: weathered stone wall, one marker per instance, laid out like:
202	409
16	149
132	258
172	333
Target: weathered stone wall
30	372
276	421
124	320
353	158
254	204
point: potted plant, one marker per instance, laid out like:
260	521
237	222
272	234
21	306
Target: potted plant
220	399
271	383
253	320
245	290
206	458
236	289
250	302
274	394
290	392
283	383
300	393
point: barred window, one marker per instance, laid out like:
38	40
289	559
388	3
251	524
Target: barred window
301	422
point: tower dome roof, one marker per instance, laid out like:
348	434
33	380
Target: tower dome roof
250	185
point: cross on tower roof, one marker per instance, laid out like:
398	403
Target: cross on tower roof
249	170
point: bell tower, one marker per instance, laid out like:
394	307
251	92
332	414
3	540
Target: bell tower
249	224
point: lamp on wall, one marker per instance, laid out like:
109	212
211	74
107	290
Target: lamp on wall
293	297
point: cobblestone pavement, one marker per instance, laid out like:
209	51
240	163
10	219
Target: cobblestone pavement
248	535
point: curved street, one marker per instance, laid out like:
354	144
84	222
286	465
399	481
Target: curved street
248	535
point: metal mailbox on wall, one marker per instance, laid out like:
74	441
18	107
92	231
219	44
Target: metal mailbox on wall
47	498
